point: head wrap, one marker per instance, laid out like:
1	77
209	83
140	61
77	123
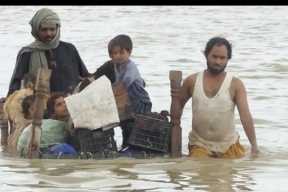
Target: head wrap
44	18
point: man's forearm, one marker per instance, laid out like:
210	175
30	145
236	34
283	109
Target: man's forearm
249	129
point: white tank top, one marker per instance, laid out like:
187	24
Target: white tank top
213	120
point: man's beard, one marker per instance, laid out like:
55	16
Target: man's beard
47	40
214	70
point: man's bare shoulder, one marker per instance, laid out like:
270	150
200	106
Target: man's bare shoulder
237	83
190	79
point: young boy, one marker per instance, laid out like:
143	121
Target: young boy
107	68
120	49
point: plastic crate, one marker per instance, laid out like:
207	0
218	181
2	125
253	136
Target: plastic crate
151	133
85	140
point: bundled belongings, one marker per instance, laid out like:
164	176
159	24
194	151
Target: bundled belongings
94	107
95	111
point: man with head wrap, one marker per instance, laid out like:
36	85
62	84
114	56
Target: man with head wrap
47	51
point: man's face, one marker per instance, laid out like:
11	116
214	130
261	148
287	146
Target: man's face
46	35
217	59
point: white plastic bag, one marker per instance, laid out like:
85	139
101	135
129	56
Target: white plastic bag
94	107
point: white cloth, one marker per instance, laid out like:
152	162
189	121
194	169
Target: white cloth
94	107
213	122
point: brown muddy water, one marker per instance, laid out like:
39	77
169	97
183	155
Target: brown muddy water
165	38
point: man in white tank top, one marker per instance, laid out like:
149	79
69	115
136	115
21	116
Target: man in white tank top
215	93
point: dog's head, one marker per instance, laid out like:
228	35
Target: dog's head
29	80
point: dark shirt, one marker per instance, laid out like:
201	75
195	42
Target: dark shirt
129	73
66	66
106	69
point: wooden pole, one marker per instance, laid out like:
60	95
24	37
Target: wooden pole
3	126
176	136
33	144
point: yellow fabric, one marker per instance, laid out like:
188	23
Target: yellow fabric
235	151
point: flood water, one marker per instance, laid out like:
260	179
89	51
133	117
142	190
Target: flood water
166	38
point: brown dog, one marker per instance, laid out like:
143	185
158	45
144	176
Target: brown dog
12	108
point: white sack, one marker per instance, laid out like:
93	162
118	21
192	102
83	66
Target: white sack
94	107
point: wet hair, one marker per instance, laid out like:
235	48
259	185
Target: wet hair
51	103
218	41
123	41
26	104
110	47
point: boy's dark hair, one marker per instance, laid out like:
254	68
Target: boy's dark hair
218	41
110	47
123	41
51	102
26	104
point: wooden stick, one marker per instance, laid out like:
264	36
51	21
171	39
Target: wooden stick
3	126
33	144
176	136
